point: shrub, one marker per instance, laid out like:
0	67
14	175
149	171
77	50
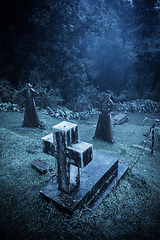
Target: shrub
6	91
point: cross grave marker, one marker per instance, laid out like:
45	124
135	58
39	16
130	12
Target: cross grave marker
83	175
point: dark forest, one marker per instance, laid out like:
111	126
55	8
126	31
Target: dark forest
72	51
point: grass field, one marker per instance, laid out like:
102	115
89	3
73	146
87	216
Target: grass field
130	211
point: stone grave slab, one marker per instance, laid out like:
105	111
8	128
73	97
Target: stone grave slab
97	179
119	119
41	166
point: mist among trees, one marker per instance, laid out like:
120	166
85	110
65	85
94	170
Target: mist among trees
77	49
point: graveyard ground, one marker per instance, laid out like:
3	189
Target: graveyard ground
130	211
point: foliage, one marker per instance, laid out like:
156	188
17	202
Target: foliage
6	91
85	100
71	45
47	97
112	53
140	106
147	33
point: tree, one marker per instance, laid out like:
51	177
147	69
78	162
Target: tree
70	45
16	34
110	55
40	44
147	48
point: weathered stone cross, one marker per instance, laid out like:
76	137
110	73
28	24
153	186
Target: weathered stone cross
70	153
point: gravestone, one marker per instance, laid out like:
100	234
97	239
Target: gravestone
104	126
119	119
40	165
30	115
83	175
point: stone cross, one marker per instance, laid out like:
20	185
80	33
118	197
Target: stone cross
30	116
70	153
106	104
103	129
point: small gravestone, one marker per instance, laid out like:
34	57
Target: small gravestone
30	115
41	166
104	126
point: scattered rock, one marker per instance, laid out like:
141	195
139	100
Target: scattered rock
44	111
51	111
57	114
5	107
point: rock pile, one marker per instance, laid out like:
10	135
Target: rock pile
63	112
9	107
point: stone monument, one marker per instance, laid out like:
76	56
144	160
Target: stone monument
83	175
30	115
104	127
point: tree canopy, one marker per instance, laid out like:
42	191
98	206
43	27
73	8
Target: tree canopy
75	46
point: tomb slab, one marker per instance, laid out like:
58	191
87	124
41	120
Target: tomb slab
40	165
119	119
97	179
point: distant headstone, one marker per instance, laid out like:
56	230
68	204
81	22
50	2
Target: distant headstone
104	127
120	118
30	116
